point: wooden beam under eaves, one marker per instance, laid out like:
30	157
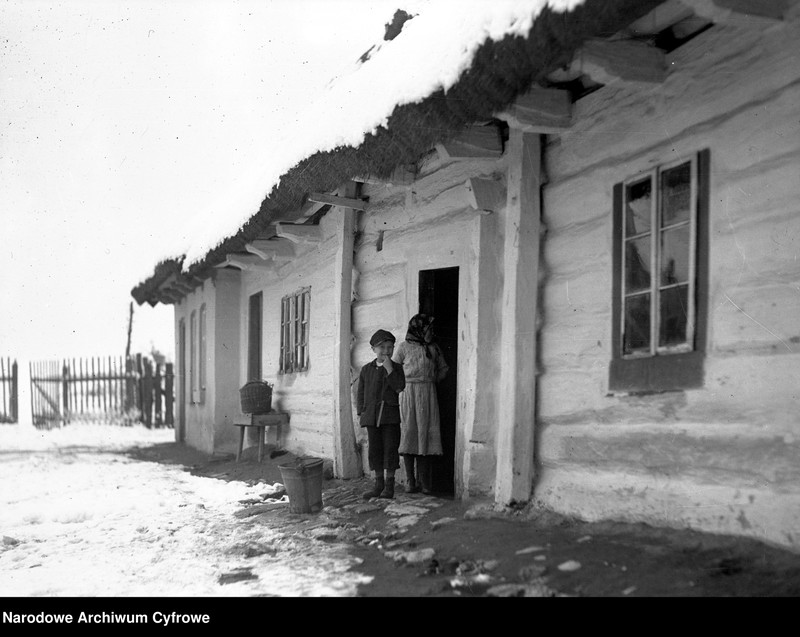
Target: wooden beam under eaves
272	249
249	262
299	233
475	142
627	60
334	200
540	110
739	11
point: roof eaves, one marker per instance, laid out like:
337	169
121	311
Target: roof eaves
500	72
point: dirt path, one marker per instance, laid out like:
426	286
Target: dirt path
163	520
423	546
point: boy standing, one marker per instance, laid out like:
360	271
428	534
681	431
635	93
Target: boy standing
378	407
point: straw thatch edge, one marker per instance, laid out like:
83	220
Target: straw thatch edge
500	72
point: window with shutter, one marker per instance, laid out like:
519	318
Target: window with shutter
660	284
295	314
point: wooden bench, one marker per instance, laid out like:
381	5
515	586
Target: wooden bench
260	422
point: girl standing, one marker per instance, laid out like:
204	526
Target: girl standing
423	365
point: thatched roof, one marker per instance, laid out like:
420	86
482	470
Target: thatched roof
501	71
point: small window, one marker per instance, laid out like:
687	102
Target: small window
661	277
295	312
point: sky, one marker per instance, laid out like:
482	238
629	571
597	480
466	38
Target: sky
122	120
131	132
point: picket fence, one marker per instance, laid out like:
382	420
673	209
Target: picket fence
9	391
113	390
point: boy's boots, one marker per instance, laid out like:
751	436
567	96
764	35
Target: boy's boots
378	488
388	489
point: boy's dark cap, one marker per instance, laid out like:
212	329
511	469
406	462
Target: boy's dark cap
380	336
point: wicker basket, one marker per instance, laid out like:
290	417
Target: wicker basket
256	397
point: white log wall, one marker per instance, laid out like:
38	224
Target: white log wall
209	425
307	396
724	458
428	225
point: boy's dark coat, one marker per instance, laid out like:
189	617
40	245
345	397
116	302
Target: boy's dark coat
374	386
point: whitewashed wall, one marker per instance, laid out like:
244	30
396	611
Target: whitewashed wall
209	425
429	225
223	346
723	458
306	396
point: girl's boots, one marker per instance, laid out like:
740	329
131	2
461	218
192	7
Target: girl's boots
388	488
412	485
379	487
425	472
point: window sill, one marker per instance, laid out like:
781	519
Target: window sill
657	373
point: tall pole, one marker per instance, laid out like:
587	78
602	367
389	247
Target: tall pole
130	327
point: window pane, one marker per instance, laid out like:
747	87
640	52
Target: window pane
674	308
638	209
284	333
676	188
675	255
637	324
637	264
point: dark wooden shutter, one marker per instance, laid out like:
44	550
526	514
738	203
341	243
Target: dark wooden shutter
254	338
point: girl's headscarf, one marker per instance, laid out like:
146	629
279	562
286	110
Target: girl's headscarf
416	331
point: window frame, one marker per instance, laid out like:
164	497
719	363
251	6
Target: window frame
665	368
295	331
193	357
202	354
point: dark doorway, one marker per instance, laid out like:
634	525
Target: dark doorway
438	296
254	337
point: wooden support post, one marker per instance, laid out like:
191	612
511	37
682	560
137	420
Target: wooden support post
346	463
515	435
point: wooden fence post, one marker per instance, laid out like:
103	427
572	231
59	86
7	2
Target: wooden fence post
14	394
157	396
130	387
147	393
169	395
139	374
65	391
32	392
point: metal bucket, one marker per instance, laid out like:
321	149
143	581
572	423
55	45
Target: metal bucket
303	481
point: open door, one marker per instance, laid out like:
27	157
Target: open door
438	296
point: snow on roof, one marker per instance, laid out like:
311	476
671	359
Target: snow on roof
430	53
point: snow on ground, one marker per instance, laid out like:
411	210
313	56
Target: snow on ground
79	518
